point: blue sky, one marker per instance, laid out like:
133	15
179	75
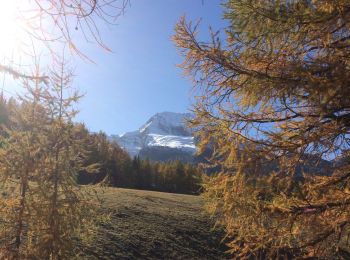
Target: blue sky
139	78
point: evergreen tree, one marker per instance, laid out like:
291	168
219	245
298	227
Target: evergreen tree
274	96
20	155
40	159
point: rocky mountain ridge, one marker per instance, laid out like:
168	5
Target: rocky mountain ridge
166	132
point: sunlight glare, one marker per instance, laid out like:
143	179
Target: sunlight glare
12	29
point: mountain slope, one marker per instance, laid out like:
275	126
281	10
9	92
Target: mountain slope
163	131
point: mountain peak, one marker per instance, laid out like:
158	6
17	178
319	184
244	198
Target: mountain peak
165	129
167	123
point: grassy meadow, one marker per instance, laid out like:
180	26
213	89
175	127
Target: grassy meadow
155	225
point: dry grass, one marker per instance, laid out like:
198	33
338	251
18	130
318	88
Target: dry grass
154	225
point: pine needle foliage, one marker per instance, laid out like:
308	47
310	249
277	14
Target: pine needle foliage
43	211
273	97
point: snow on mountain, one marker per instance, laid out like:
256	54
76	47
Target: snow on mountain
165	129
172	141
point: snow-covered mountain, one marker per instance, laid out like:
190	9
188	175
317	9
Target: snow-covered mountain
161	131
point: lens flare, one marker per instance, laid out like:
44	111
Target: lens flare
14	37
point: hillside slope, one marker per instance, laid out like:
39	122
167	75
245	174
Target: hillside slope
154	225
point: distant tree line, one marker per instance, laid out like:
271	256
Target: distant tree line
105	163
110	165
